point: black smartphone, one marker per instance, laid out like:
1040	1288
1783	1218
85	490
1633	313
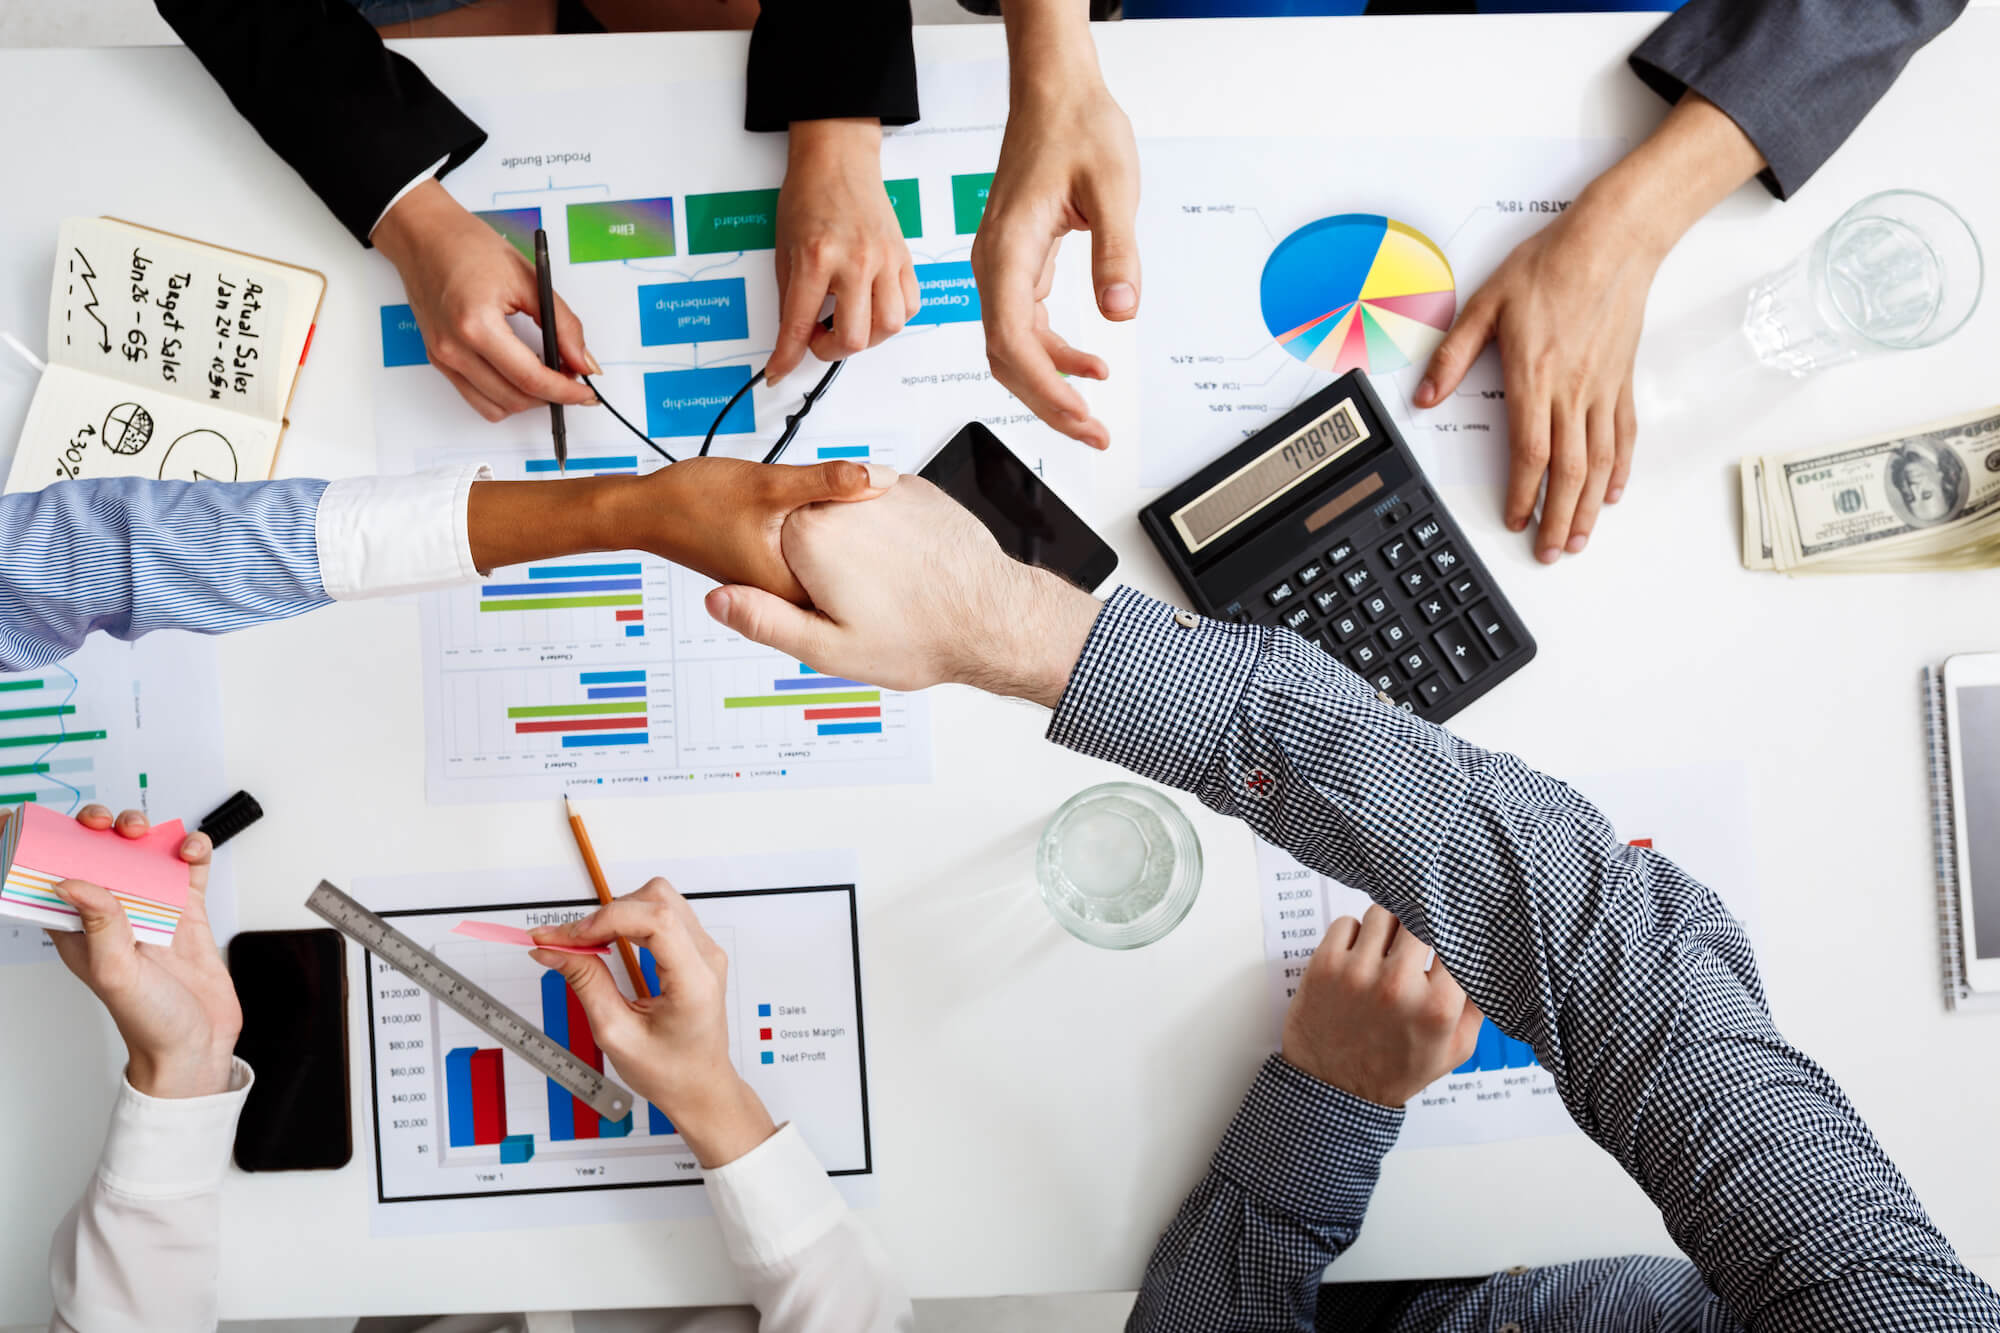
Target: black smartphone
1030	521
293	987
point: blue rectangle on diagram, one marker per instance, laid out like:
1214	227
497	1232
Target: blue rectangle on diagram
402	340
685	402
692	312
949	294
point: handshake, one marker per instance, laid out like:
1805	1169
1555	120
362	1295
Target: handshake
855	570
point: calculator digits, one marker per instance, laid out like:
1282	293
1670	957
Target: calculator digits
1324	524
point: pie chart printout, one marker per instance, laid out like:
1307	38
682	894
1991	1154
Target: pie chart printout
1358	291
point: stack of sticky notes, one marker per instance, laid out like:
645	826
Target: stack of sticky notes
40	848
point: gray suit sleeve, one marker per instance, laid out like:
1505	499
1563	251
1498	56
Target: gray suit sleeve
1796	75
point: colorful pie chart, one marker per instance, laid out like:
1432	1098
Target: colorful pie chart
1358	292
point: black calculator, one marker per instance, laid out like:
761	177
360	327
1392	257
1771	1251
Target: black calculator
1323	523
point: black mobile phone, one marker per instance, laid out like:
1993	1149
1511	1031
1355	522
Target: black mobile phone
1030	521
293	987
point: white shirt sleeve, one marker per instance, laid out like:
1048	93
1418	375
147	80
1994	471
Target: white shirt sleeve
428	172
809	1262
379	536
139	1250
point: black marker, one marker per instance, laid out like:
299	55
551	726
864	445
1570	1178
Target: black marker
230	818
546	289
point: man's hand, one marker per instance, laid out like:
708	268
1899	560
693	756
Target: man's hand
1068	162
463	281
1566	307
1371	1020
838	233
718	516
910	591
174	1004
672	1048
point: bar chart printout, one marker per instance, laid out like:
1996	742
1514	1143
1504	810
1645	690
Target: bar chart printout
605	675
1695	816
468	1136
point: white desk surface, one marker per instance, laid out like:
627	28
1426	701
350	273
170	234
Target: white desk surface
1040	1106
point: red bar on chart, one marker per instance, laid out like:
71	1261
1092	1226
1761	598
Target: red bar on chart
636	613
582	724
583	1045
831	714
489	1098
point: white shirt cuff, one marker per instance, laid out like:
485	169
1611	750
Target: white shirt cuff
168	1148
379	536
428	172
774	1200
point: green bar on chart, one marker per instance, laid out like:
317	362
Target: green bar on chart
904	198
575	710
20	685
54	710
968	201
732	221
15	742
781	700
562	603
24	770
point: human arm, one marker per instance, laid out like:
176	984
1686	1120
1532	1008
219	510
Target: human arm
1371	1026
128	556
1633	982
140	1249
807	1261
1068	162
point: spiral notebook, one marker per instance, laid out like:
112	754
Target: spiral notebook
1958	993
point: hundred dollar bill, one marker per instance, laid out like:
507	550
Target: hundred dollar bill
1897	499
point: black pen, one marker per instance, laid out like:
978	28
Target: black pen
546	290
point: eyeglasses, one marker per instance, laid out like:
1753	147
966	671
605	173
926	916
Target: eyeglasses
776	451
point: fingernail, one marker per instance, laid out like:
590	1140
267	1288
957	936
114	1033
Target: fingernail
1517	524
718	604
1118	298
1611	496
1578	542
1425	392
880	475
190	847
1548	554
595	369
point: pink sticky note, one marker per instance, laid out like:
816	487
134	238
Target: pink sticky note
146	875
495	933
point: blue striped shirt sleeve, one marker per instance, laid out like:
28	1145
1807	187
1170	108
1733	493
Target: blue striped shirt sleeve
129	556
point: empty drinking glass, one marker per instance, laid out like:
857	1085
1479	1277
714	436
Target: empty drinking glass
1899	270
1119	865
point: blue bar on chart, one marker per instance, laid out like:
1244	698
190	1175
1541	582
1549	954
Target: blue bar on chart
612	677
586	571
607	463
850	728
614	1129
827	451
1497	1050
686	402
948	294
818	682
612	738
402	340
693	312
616	692
555	1024
458	1096
549	587
517	1148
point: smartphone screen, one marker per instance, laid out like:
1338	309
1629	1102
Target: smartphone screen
293	988
1029	520
1976	736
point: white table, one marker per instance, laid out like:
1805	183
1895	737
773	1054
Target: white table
1040	1106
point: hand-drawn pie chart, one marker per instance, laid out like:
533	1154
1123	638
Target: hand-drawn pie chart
128	428
199	455
1358	291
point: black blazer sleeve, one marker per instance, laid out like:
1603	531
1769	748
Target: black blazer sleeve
818	59
356	121
1796	75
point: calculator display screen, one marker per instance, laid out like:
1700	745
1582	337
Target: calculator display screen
1271	474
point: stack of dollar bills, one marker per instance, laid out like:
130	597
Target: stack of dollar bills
1923	499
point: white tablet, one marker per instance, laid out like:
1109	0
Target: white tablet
1972	713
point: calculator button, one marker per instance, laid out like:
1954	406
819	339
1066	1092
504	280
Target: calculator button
1432	609
1500	640
1376	606
1342	551
1358	579
1403	702
1234	611
1344	627
1281	594
1395	515
1427	531
1298	618
1395	634
1326	599
1464	589
1384	681
1364	655
1416	581
1397	552
1318	641
1445	561
1414	663
1432	691
1460	653
1310	574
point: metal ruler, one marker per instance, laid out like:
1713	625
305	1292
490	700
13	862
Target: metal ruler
472	1001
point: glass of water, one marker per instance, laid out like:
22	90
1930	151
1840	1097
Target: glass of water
1900	270
1119	865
